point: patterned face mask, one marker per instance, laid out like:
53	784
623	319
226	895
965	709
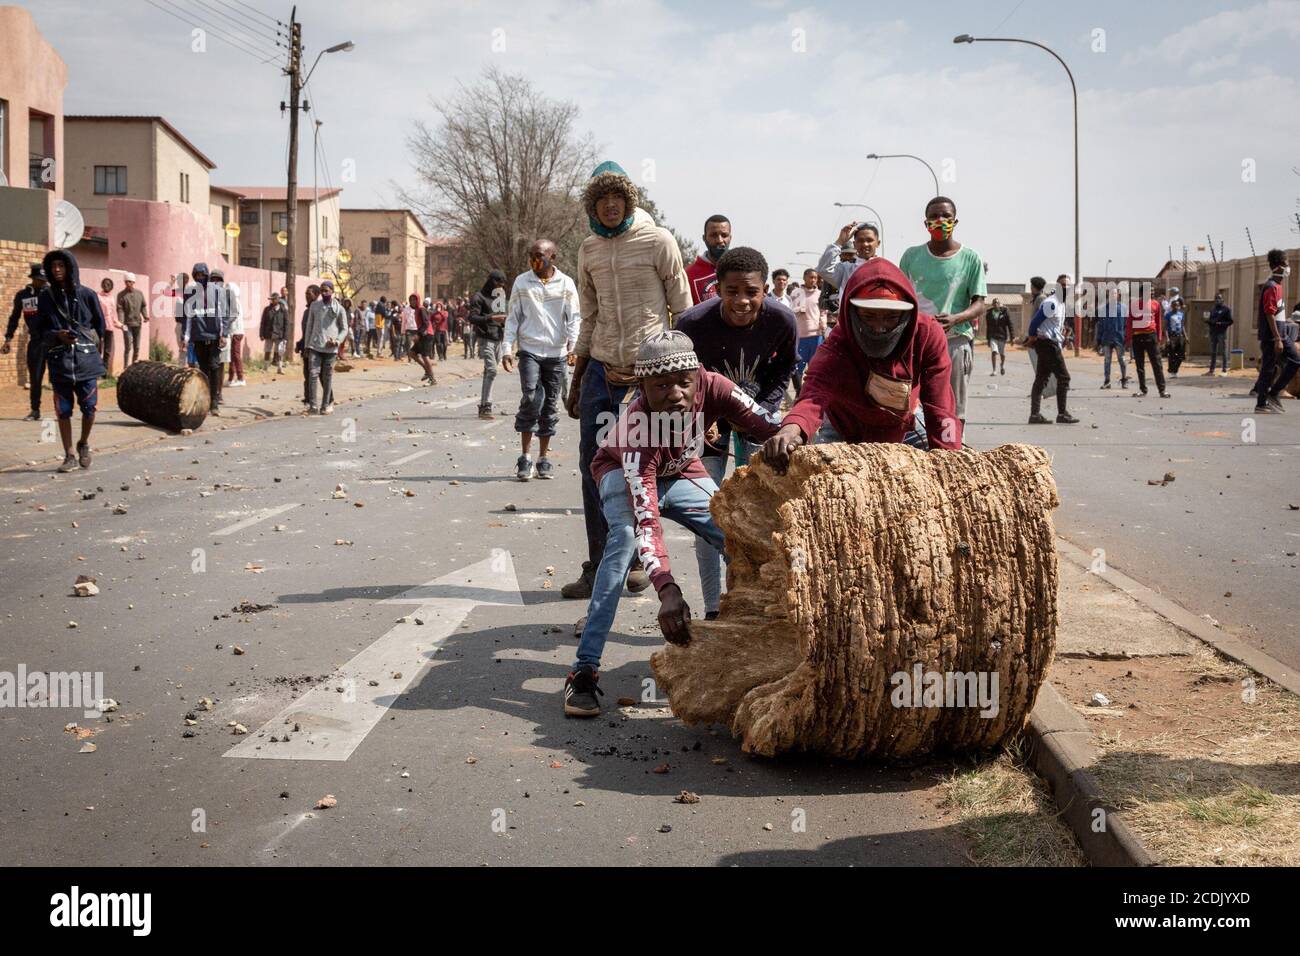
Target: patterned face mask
940	229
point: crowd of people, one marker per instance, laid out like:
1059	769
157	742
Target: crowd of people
671	370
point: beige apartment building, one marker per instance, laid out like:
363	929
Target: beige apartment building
388	252
32	80
442	257
131	157
223	210
263	216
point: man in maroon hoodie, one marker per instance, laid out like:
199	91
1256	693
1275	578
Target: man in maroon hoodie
865	382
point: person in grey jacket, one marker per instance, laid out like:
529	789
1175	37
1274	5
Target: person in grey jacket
207	327
325	334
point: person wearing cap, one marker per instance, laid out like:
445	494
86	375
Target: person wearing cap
1045	337
647	468
25	308
886	360
132	310
324	334
207	328
273	329
631	282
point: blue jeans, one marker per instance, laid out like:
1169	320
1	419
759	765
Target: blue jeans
597	397
685	500
1106	351
540	381
1218	346
708	558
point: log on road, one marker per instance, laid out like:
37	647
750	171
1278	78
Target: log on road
875	595
164	395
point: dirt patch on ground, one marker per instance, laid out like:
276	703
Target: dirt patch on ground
1201	756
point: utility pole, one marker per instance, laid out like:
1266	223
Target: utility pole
1251	241
1211	244
291	194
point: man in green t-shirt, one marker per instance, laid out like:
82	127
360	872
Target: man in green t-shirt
949	282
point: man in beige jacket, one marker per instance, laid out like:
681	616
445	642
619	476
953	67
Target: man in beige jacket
631	282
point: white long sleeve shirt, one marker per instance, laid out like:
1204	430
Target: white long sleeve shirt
543	318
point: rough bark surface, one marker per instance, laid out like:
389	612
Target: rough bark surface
860	563
164	395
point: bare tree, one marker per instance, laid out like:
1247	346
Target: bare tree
504	166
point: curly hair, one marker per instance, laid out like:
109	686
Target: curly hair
741	259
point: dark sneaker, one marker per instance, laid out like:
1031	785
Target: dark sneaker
1105	384
1066	418
486	414
637	580
69	463
545	469
1004	371
711	615
1275	403
1037	419
1259	410
524	468
1140	394
580	690
581	588
83	454
1164	394
1123	383
32	417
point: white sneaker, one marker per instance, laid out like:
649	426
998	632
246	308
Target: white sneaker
328	409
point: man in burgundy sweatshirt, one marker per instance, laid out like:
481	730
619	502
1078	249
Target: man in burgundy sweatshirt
647	467
865	382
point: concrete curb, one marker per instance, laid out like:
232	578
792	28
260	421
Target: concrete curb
1180	617
1061	750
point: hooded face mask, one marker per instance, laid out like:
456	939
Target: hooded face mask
878	344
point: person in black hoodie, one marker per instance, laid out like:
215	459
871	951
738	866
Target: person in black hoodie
207	328
487	313
25	308
70	325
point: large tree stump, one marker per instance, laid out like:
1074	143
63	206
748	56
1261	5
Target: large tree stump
164	395
862	569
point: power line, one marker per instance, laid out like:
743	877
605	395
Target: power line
216	30
231	26
222	24
260	57
246	18
261	14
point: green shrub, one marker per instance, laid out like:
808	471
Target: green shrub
159	352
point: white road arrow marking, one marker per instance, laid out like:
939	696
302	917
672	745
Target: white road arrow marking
248	522
331	725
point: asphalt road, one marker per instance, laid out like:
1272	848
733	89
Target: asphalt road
1220	538
461	753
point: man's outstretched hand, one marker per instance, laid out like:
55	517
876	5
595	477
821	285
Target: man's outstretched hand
674	616
776	450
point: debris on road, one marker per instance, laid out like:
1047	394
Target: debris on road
236	649
87	748
248	607
341	541
1099	700
85	586
238	729
119	509
254	567
686	797
471	759
327	802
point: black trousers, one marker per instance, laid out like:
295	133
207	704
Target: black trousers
1051	361
1144	347
209	359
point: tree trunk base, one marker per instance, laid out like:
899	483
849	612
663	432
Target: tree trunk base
164	395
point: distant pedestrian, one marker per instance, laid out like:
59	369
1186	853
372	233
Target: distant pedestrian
809	320
424	343
488	315
997	325
25	307
178	288
324	334
542	320
1046	338
839	259
1219	321
234	353
274	331
70	324
1112	324
1145	331
1277	342
132	311
207	329
112	326
313	293
701	274
1175	335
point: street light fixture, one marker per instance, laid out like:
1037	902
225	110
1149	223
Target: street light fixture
1074	91
909	156
880	220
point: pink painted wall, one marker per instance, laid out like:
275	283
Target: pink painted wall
160	240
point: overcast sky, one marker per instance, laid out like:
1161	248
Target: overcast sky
765	110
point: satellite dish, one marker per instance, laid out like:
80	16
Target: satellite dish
282	237
69	225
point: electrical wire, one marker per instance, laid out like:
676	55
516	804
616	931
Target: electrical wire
255	42
260	57
252	37
247	19
261	14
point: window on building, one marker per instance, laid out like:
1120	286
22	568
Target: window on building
279	221
379	245
279	265
110	180
40	159
250	261
444	261
324	227
185	187
379	280
225	216
248	217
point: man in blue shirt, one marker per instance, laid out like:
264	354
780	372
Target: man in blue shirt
1111	322
1176	341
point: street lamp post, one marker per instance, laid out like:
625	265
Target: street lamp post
1108	262
1074	92
315	189
909	156
880	220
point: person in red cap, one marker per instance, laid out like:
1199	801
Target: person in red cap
865	383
